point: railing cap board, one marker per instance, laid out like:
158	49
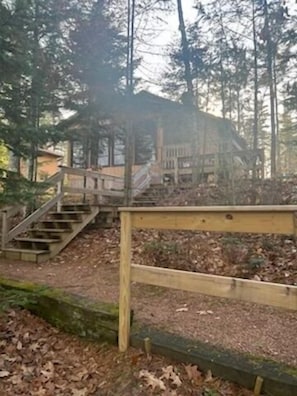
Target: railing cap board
88	173
256	208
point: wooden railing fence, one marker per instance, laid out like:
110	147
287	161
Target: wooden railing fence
178	160
245	219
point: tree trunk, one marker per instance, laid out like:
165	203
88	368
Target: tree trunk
222	88
238	110
186	52
190	99
278	153
271	90
129	143
34	116
256	87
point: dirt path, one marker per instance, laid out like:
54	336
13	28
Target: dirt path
89	266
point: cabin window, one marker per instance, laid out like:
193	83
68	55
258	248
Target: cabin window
111	152
78	155
104	152
118	152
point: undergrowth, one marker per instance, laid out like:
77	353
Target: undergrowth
13	299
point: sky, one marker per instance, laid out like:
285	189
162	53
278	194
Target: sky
153	52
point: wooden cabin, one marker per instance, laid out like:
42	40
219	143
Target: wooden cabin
179	142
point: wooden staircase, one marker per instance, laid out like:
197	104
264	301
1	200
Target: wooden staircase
153	195
47	237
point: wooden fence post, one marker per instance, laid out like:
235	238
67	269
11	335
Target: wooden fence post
175	170
4	229
125	281
96	190
85	186
60	189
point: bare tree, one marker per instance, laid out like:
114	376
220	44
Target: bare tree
129	144
269	60
256	87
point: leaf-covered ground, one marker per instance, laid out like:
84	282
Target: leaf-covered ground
38	360
90	266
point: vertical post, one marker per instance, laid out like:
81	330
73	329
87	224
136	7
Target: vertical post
4	229
102	190
96	190
216	167
175	170
125	284
295	223
85	186
60	189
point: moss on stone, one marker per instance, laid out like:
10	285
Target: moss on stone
71	313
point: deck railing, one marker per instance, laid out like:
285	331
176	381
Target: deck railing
179	160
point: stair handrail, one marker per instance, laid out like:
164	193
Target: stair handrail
100	180
55	180
141	180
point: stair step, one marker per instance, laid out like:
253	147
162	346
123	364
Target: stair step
35	256
76	207
67	212
37	240
50	230
60	221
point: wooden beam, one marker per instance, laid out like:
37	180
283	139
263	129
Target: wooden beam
243	208
89	173
278	222
272	294
4	229
107	193
125	282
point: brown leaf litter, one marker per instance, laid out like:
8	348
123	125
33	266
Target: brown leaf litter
50	362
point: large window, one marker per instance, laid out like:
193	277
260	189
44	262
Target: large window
78	155
111	152
118	152
104	152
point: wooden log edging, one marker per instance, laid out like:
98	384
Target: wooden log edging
278	379
73	314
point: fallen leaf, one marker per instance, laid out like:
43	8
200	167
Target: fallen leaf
208	377
79	392
193	373
4	373
151	380
182	309
34	347
135	358
170	374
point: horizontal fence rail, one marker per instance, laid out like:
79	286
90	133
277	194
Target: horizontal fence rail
249	219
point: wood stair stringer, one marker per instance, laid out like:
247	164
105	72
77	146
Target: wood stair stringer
76	229
41	246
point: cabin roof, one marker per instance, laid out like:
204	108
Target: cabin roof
116	106
50	153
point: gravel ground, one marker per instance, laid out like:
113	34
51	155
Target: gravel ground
89	266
